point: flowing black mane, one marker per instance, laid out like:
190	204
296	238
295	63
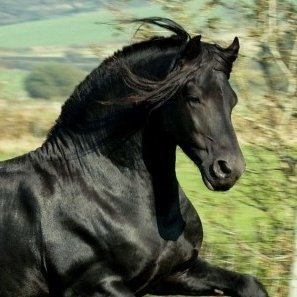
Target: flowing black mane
140	85
98	210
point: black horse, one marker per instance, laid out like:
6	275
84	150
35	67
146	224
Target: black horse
97	209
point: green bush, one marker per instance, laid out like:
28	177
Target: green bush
53	80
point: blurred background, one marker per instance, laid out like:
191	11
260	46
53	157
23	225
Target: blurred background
48	46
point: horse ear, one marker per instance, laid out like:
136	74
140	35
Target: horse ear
232	50
193	48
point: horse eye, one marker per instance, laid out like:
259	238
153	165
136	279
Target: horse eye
194	99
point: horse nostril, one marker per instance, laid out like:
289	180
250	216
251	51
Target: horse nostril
224	167
221	169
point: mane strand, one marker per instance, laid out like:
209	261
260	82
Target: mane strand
164	23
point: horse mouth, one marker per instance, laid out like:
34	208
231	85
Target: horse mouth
207	183
204	162
216	185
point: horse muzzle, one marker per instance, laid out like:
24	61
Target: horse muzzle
222	173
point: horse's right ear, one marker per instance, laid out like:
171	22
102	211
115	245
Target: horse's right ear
192	48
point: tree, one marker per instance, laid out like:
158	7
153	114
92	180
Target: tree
52	80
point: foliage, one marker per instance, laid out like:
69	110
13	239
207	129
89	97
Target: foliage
13	11
257	236
89	28
52	80
12	84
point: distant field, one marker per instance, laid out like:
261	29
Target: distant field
78	29
12	84
84	28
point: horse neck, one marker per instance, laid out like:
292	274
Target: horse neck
141	145
118	127
159	153
86	125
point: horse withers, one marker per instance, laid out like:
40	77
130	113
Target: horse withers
97	210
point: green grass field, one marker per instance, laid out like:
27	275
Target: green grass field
87	28
213	206
12	84
79	29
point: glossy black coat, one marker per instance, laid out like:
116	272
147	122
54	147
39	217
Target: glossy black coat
98	211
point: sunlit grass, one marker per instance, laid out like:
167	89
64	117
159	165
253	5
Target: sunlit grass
222	210
12	84
77	29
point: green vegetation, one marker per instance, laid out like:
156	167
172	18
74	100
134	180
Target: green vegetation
249	227
68	30
12	83
52	80
78	29
14	11
214	205
4	157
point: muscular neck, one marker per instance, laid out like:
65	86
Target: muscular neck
159	156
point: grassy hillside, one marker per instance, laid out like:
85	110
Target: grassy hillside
13	12
84	28
12	84
78	29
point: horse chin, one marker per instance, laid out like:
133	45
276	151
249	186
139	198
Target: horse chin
215	185
203	161
207	183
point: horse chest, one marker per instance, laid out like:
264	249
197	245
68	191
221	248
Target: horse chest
134	238
144	255
154	259
115	225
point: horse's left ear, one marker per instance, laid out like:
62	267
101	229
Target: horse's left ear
232	50
192	49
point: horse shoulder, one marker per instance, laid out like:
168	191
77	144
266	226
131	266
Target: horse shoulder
20	237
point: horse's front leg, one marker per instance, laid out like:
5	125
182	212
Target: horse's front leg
96	284
203	279
106	289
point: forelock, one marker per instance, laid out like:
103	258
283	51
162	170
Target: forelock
216	56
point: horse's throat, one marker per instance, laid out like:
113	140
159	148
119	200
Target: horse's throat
159	154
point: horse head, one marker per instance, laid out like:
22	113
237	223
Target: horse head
199	117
